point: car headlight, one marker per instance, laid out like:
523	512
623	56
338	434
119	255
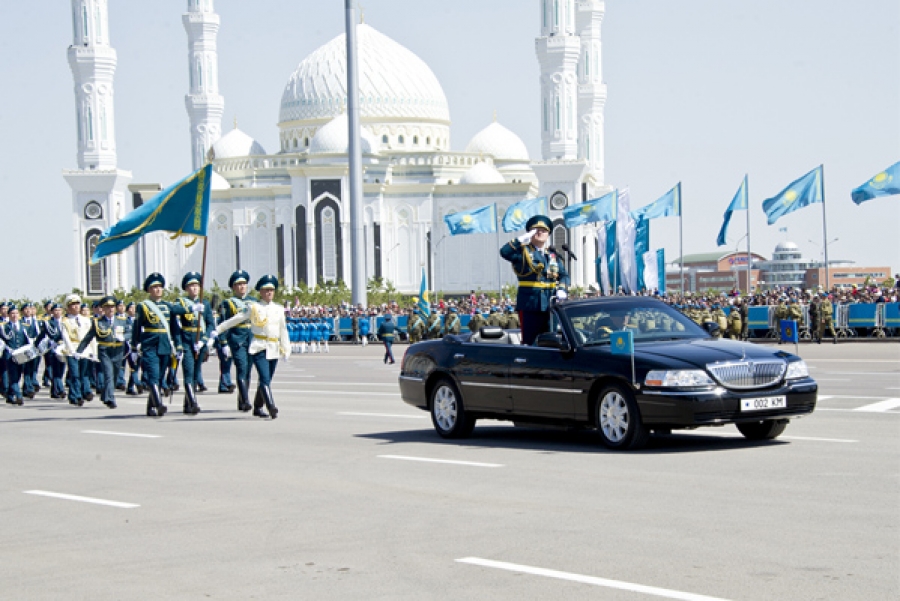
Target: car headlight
796	369
681	378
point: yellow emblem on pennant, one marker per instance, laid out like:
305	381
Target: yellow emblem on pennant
620	342
788	331
425	297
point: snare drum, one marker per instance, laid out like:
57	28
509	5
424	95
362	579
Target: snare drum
45	346
24	354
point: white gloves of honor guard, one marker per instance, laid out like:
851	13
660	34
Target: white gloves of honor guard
561	294
526	238
198	308
226	352
179	355
198	346
213	335
135	357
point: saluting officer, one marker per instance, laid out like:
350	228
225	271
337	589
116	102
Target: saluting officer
542	276
196	330
238	338
156	334
109	332
269	341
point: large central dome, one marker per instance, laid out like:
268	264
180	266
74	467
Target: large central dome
394	83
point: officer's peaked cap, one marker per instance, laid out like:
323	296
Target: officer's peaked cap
154	279
267	281
73	299
238	277
191	277
108	301
539	221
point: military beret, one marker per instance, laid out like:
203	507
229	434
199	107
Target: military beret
73	299
26	305
154	279
84	306
493	309
238	277
47	303
108	301
539	221
120	302
191	277
95	304
130	305
452	310
54	306
267	281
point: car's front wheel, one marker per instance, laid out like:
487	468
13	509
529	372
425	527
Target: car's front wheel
448	414
619	420
766	429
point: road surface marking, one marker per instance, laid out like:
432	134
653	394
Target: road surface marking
381	415
832	379
616	584
885	405
429	460
320	382
847	396
343	392
121	434
57	495
817	439
864	373
854	411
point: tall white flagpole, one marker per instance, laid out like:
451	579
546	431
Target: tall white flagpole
357	244
747	200
824	226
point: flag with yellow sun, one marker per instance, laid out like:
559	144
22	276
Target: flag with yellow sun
800	193
886	183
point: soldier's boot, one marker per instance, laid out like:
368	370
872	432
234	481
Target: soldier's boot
270	401
152	402
243	396
258	402
190	400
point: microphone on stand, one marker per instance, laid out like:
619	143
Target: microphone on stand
565	247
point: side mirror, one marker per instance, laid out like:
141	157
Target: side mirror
712	328
551	340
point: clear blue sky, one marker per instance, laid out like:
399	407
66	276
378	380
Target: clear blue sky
700	91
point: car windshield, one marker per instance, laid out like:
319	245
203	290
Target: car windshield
593	323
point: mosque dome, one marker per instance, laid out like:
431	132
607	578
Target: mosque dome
235	144
482	173
219	182
394	83
334	138
498	142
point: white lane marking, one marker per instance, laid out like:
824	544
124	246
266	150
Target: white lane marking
847	396
281	376
354	413
606	582
814	439
854	411
885	405
864	373
430	460
57	495
892	388
343	392
319	382
832	379
854	360
121	434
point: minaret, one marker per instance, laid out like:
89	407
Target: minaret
558	52
591	89
204	104
98	186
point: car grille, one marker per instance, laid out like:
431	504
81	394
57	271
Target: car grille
745	375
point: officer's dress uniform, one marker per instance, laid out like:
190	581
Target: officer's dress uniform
269	341
238	339
14	337
109	334
195	332
541	273
75	328
30	385
56	366
386	335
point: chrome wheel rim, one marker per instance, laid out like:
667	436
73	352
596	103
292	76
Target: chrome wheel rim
614	417
445	408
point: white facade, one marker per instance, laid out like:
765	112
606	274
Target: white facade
287	212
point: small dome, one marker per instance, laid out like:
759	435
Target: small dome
334	138
498	142
786	247
219	182
482	173
235	144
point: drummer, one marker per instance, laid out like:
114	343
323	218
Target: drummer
15	338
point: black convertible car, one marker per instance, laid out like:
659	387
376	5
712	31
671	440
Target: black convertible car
680	376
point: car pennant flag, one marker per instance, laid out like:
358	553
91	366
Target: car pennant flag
518	214
591	211
886	183
424	303
668	205
800	193
622	342
182	208
738	203
477	221
789	330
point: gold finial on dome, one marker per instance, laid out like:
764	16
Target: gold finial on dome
235	121
362	14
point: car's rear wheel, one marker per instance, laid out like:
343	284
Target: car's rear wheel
766	429
619	420
448	414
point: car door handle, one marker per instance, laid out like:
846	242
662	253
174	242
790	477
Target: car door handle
520	360
458	356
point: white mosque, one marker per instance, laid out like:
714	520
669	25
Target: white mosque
286	212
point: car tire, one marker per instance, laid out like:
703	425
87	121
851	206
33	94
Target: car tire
766	429
448	413
618	419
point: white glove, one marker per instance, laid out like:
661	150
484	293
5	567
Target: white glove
526	238
135	357
198	346
179	355
226	352
562	294
198	308
213	335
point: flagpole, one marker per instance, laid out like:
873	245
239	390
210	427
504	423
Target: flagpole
202	288
615	286
824	226
747	200
497	231
680	237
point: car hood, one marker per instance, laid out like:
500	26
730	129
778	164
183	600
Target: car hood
700	352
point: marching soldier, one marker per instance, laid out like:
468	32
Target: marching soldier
134	385
33	330
452	324
477	322
827	311
109	332
386	335
541	275
45	376
236	343
512	319
745	319
734	324
269	342
14	336
196	330
433	327
75	328
122	315
415	327
56	365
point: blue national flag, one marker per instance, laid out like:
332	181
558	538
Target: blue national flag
668	205
885	183
641	246
182	208
424	303
591	211
622	342
612	256
738	203
789	330
518	214
477	221
800	193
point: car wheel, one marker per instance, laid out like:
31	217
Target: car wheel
619	421
448	414
767	429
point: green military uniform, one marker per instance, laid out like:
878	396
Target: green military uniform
452	323
415	328
495	319
735	324
826	312
721	320
477	322
433	327
512	320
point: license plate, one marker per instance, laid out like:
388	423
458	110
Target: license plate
764	403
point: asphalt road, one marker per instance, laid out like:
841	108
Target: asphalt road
350	494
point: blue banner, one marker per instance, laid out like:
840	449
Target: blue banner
423	303
517	215
789	330
641	246
591	211
800	193
612	257
668	205
661	269
738	203
886	183
477	221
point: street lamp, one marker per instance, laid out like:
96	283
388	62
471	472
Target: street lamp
822	247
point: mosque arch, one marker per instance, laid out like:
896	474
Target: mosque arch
301	270
329	239
95	273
